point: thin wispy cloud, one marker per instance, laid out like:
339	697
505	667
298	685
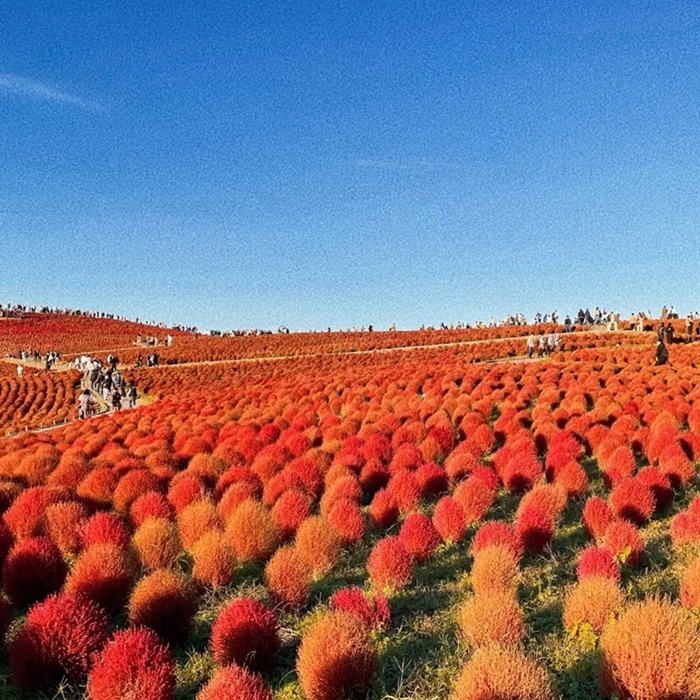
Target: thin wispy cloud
16	85
403	164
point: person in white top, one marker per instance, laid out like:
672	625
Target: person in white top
20	370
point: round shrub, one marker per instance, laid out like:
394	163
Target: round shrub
135	663
318	545
625	542
290	511
475	497
494	570
157	544
535	528
659	483
288	578
372	609
63	523
336	658
252	532
214	560
346	518
491	617
194	520
632	500
592	601
405	488
163	602
596	517
152	504
495	672
547	497
104	528
58	639
33	569
572	479
498	533
597	561
103	573
245	633
449	520
690	585
521	472
432	479
389	565
652	652
234	683
419	536
384	509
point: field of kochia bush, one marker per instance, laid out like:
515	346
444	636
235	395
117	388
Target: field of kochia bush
445	521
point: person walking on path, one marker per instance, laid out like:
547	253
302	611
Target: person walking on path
669	333
132	395
85	405
530	345
116	400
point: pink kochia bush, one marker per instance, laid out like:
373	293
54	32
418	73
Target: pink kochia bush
246	633
58	639
135	663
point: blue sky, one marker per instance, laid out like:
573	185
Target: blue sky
231	164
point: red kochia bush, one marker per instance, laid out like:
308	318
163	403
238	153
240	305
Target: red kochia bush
288	578
494	673
63	522
234	683
372	609
596	517
252	532
104	528
521	472
597	561
384	509
652	651
632	500
624	541
152	504
475	497
449	520
58	639
419	536
535	528
690	585
336	658
659	483
406	490
346	518
34	568
102	573
245	633
318	545
163	601
389	565
500	534
431	479
135	663
290	511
